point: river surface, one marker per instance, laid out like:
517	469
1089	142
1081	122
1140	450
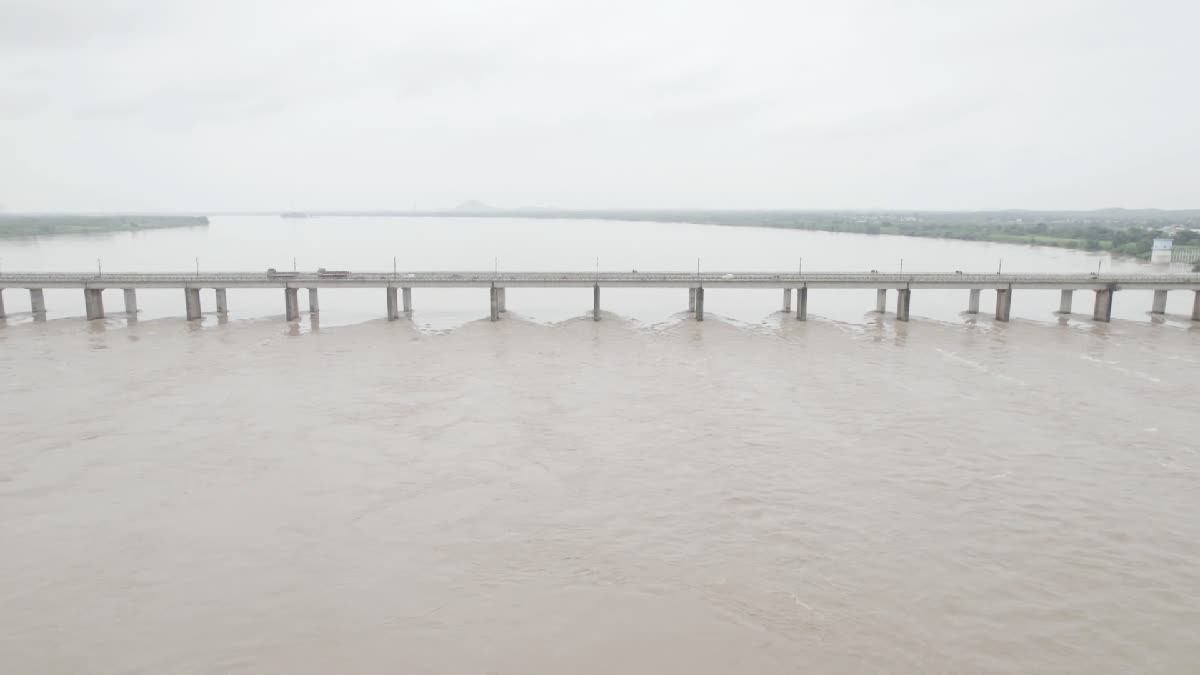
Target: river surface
545	494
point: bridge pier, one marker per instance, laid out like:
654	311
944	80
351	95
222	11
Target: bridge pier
1065	299
37	301
1003	303
93	302
1196	307
130	301
191	302
903	300
495	301
392	312
1103	308
2	314
596	302
1160	303
291	304
793	287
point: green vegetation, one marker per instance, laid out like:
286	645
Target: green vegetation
1123	233
38	225
1120	231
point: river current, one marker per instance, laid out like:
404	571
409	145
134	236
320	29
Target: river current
546	494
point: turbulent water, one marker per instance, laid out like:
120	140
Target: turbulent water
541	495
599	498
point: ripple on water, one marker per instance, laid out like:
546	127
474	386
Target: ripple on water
599	497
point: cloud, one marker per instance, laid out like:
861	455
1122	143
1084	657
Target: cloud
371	104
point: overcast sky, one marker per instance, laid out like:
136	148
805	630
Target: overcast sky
373	104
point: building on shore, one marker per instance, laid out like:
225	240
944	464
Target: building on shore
1160	252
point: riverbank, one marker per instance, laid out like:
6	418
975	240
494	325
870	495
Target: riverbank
42	225
1127	232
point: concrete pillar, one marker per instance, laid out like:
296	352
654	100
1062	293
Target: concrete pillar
314	301
2	315
973	301
222	302
1196	307
291	304
37	301
503	299
699	303
802	304
130	301
787	299
406	293
1003	303
1065	298
1160	303
596	302
903	300
691	299
495	300
1103	309
392	312
191	301
881	300
93	301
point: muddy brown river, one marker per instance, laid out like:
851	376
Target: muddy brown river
599	498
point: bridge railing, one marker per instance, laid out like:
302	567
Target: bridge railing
577	276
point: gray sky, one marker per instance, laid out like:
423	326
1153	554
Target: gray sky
371	104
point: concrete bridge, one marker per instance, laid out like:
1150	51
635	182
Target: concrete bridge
791	284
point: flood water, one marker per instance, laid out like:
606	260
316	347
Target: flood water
643	494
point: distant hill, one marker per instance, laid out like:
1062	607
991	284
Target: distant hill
474	205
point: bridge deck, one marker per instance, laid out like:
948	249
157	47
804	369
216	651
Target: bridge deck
469	279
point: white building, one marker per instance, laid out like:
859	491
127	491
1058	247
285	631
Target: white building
1160	252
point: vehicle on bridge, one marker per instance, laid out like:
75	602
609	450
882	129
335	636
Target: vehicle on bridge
275	274
333	274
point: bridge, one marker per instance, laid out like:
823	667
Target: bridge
791	283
